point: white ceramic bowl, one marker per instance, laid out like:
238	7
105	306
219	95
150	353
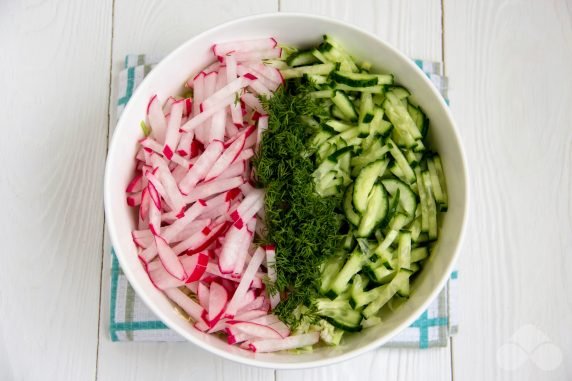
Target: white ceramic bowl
299	30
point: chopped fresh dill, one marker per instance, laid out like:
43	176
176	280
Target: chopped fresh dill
304	227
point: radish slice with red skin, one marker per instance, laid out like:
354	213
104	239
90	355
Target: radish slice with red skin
269	72
142	241
218	121
226	159
192	308
172	136
256	304
258	55
145	200
213	270
209	238
158	148
154	218
235	109
236	169
250	315
224	48
135	199
230	129
291	342
176	227
233	243
194	265
253	201
246	154
210	85
194	242
192	228
219	326
255	329
252	101
217	211
169	259
212	188
201	118
184	147
244	284
156	119
203	295
273	322
248	298
218	298
243	70
135	185
226	91
202	166
201	325
168	105
258	87
235	336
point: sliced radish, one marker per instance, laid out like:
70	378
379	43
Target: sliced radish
242	56
196	121
173	135
244	284
225	92
250	315
227	158
203	295
253	102
218	298
154	146
192	308
135	198
262	126
224	48
255	329
176	227
169	259
291	342
212	188
202	166
135	185
156	119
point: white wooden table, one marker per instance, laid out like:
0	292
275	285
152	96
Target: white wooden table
509	64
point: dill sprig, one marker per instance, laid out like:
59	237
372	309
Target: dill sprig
302	225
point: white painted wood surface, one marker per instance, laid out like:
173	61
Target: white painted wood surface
511	87
511	91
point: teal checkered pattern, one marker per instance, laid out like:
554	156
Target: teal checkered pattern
131	320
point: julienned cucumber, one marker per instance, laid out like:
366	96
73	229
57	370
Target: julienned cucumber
371	153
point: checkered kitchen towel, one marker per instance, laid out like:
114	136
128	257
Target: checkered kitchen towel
131	320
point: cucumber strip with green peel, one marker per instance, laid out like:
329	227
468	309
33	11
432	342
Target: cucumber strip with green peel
422	201
353	265
407	198
419	254
298	72
352	216
318	54
340	314
375	152
408	172
432	208
387	293
438	179
397	223
344	104
375	212
404	250
361	299
338	126
399	116
364	183
304	57
322	94
377	89
330	270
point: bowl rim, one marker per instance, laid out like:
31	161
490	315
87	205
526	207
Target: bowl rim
108	194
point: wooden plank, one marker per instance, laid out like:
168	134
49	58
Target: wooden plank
511	86
54	71
414	28
157	28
